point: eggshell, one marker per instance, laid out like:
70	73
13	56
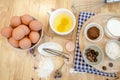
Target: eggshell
26	19
25	28
18	33
13	42
6	32
15	21
35	25
34	36
25	43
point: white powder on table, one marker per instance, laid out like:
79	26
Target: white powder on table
113	50
46	67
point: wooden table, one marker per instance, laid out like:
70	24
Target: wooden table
17	65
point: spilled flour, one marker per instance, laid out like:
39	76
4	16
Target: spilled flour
45	68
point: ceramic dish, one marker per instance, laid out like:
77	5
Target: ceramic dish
99	57
51	45
112	49
97	26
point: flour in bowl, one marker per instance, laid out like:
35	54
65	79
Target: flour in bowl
113	50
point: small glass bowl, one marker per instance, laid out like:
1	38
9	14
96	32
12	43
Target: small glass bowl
90	25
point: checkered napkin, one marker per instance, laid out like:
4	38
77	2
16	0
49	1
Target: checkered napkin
79	63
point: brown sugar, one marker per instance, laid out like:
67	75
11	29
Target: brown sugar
93	33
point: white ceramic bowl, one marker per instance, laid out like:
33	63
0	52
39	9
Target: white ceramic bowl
112	49
99	58
57	12
90	25
112	28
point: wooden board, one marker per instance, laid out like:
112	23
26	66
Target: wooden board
83	42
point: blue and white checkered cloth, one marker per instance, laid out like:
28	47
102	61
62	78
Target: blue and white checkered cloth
79	63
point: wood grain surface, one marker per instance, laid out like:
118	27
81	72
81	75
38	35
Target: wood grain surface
17	65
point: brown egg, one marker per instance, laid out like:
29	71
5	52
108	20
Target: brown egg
34	36
25	43
18	33
15	21
25	28
13	42
26	19
6	32
35	25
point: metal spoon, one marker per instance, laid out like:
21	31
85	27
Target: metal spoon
58	73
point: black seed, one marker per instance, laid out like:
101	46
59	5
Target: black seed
34	55
104	68
111	64
32	79
35	67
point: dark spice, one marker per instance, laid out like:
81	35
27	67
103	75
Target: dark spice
111	64
104	68
91	55
34	55
35	68
93	33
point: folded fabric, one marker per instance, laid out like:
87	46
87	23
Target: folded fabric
79	63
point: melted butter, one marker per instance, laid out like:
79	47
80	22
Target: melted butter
63	22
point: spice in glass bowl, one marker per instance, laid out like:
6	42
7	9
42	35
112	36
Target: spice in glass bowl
93	33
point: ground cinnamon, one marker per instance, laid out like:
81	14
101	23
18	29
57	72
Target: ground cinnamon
93	33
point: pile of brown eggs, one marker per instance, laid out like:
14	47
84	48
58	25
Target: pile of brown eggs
24	31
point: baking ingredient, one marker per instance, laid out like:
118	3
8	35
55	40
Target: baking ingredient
93	33
6	32
45	68
13	42
91	55
113	26
113	50
25	28
63	22
110	64
26	19
70	46
34	36
15	21
25	43
104	68
35	25
18	33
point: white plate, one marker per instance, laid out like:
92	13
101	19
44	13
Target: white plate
51	45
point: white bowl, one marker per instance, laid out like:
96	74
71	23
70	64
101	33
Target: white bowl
112	49
90	25
99	58
56	13
50	45
112	28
